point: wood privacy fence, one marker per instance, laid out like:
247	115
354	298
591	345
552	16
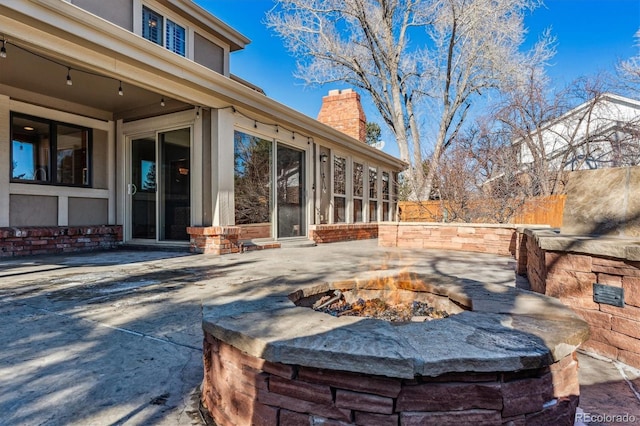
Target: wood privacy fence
538	211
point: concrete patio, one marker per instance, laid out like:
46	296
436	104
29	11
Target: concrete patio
115	337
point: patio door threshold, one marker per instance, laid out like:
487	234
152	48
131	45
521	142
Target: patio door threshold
150	245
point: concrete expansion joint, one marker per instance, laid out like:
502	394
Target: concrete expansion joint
621	370
121	329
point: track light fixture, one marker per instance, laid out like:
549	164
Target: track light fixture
69	81
276	127
162	102
197	113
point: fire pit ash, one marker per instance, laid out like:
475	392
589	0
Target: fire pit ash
394	304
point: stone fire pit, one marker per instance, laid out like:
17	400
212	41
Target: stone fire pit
503	355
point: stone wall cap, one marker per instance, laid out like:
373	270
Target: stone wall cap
455	224
605	246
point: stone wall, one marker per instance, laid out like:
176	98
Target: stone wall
242	389
567	267
483	238
343	232
603	202
24	241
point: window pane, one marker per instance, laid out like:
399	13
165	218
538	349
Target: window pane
373	211
30	149
385	185
152	24
339	175
357	210
339	210
373	182
252	180
175	199
72	157
385	211
358	172
176	39
289	184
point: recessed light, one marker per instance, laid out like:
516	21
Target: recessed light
29	128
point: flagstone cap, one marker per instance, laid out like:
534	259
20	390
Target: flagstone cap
505	329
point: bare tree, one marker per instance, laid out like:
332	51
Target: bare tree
629	70
525	145
553	138
521	117
423	62
478	180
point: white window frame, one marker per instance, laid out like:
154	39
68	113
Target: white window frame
363	197
377	193
389	200
344	196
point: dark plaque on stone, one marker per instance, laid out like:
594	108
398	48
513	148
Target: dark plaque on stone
609	295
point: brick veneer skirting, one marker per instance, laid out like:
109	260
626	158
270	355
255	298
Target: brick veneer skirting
567	267
343	232
214	239
239	389
24	241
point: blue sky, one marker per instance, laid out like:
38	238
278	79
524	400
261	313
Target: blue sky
592	35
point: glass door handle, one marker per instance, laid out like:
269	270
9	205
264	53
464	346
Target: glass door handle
132	189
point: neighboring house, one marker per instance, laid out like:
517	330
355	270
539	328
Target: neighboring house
602	132
123	114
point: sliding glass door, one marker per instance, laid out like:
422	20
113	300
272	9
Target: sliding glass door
159	188
143	188
290	196
175	194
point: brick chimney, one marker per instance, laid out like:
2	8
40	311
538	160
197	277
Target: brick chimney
342	110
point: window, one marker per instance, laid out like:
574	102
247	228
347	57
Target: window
45	151
176	39
252	182
394	191
155	26
385	196
339	189
358	191
373	194
152	24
